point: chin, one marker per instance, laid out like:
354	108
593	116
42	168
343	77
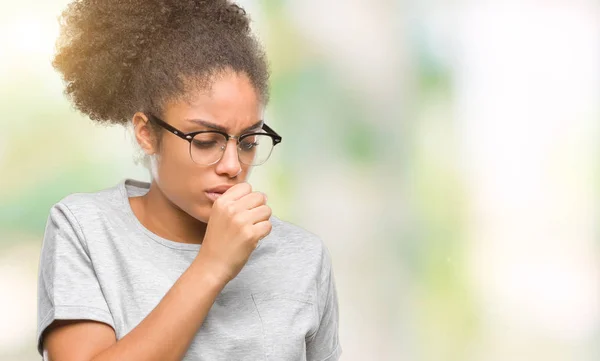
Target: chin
203	214
198	211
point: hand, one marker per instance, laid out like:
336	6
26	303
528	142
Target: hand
238	220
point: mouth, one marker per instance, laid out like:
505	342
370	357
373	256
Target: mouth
214	193
213	196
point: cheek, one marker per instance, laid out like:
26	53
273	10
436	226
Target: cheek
173	161
183	182
174	152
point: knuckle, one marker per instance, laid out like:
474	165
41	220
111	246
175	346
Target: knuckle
247	233
230	209
218	203
258	196
237	220
266	211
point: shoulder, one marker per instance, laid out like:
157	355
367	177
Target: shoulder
106	204
79	210
93	201
291	241
294	235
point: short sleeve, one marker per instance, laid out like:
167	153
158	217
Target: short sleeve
324	344
68	288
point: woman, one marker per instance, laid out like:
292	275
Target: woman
192	266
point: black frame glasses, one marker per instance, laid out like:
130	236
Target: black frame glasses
189	137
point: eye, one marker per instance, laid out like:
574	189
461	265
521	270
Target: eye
249	143
207	140
204	144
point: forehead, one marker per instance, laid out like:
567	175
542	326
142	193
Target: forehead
230	101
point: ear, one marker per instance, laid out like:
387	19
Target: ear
143	133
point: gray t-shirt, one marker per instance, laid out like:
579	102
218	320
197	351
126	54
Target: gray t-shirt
98	262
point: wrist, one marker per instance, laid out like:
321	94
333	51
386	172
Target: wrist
211	274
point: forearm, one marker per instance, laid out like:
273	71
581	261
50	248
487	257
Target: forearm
166	333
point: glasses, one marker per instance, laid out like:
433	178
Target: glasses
208	146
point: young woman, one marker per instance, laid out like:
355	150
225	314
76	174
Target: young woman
191	266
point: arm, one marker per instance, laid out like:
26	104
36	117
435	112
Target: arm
165	334
239	219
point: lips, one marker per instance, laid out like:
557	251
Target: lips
219	189
213	196
214	193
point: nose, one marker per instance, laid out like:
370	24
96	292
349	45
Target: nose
229	164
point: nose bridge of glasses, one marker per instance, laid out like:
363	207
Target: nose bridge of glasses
228	139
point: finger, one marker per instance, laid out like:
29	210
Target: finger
236	192
263	229
258	214
250	201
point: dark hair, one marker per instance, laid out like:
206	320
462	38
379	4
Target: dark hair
122	56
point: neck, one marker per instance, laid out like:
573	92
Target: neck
163	218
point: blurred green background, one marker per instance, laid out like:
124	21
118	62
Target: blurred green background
446	152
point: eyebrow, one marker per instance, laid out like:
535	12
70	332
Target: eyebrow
221	128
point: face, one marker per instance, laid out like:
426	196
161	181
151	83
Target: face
232	103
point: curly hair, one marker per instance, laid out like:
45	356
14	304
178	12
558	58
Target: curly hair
122	56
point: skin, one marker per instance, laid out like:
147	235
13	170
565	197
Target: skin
177	208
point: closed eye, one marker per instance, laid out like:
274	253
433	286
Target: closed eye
205	144
248	146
